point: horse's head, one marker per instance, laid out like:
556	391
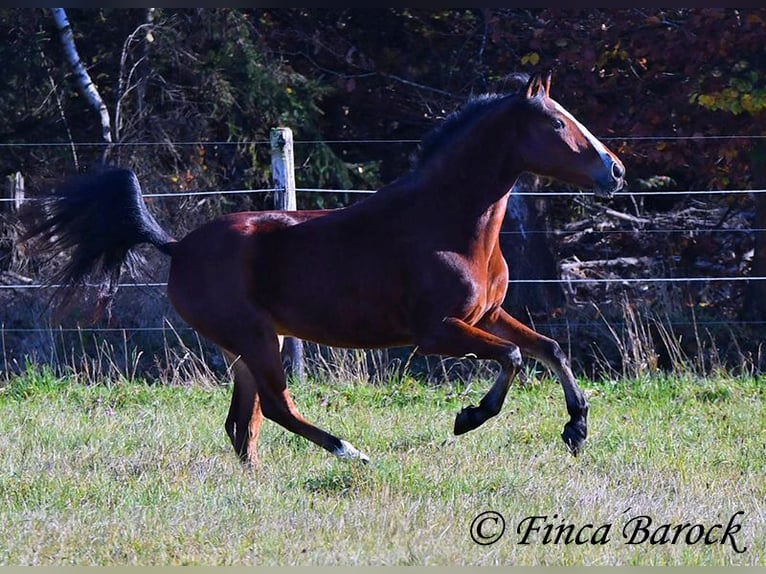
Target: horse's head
558	145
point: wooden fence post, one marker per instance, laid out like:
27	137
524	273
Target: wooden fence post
283	168
14	193
17	190
283	173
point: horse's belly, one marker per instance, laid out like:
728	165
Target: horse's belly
342	316
339	321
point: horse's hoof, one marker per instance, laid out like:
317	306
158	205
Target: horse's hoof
349	451
467	419
574	436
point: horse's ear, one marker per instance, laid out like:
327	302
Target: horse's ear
534	85
547	82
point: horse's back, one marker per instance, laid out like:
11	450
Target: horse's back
211	267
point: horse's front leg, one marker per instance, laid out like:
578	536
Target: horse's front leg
547	351
456	338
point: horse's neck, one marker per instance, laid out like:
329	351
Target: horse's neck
486	228
466	212
471	212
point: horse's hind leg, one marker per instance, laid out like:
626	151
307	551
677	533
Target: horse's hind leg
243	423
256	342
550	354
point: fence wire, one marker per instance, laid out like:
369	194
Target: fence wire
547	194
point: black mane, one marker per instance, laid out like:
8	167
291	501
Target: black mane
445	132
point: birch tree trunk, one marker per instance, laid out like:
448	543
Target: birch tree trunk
85	84
143	71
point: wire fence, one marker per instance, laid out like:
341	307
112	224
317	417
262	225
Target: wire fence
549	193
546	193
383	141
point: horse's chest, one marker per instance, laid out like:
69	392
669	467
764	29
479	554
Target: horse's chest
471	287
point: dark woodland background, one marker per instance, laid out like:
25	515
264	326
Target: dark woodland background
679	94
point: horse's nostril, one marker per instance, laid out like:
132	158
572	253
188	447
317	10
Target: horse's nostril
618	170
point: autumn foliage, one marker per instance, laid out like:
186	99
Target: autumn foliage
678	93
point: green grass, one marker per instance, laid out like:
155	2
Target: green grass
131	473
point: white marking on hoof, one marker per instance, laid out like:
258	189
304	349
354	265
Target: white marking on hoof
347	450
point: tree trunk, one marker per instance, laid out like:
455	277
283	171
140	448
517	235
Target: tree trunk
144	68
755	304
525	247
85	84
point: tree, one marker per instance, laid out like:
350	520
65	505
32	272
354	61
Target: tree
84	82
193	91
755	305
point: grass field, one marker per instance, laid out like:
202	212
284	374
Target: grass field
129	473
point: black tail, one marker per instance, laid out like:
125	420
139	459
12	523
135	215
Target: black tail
100	218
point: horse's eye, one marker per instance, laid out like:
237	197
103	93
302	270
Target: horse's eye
558	124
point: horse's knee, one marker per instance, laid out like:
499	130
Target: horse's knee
559	355
512	360
550	353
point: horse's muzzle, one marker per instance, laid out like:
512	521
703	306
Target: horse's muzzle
613	183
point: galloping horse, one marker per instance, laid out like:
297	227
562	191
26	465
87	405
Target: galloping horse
417	263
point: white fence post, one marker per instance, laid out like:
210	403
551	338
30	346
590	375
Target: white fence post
283	173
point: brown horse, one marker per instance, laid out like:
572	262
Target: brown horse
417	263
